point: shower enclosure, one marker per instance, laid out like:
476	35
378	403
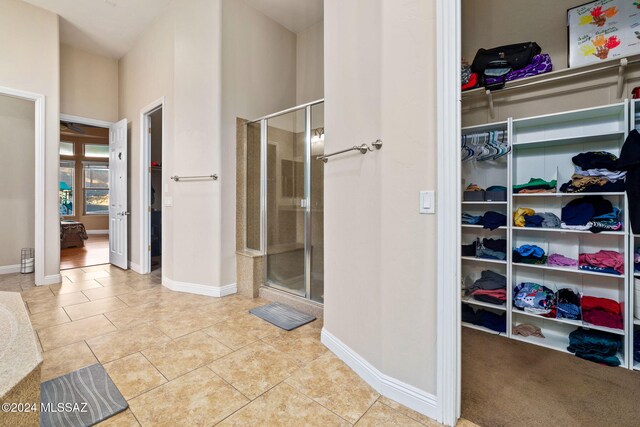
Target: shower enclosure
285	198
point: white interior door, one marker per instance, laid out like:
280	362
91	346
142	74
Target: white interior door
118	207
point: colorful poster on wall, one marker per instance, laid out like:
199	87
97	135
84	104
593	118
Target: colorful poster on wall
603	30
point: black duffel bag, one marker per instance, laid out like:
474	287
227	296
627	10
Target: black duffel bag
517	55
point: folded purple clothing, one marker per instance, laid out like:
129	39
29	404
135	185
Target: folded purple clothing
539	64
561	261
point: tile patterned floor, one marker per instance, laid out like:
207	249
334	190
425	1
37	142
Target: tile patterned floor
182	359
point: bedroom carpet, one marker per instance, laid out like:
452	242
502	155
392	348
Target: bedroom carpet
510	383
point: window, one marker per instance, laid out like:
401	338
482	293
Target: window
96	151
65	194
66	148
96	188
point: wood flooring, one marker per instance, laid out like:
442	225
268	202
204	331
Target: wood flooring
95	252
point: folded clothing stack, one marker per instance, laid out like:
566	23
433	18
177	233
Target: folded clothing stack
488	319
558	260
536	185
491	287
593	213
596	346
490	219
595	172
529	254
568	304
492	249
610	262
526	330
602	312
534	298
527	217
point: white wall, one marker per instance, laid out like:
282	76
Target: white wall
310	64
17	174
88	84
146	73
30	61
492	23
380	270
258	78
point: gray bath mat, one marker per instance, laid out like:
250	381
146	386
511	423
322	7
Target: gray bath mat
81	398
282	316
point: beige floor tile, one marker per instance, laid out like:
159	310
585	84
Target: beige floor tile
187	322
10	287
284	406
107	291
102	267
382	415
134	375
147	296
61	335
123	419
67	288
409	412
127	341
241	330
36	293
49	318
138	315
304	348
50	303
199	398
185	354
122	280
63	360
465	423
335	386
255	368
81	276
88	309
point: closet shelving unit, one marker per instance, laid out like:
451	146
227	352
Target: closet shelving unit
485	174
634	242
542	147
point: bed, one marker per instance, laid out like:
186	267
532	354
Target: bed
72	234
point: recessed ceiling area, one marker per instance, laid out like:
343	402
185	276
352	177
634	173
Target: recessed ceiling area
294	15
104	27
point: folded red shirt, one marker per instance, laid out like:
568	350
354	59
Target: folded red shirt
473	82
604	304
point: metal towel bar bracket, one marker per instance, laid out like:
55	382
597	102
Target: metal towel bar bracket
364	149
177	178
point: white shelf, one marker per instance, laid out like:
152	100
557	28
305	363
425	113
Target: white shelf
471	301
611	193
567	230
592	138
492	261
567	270
502	227
553	341
577	323
636	321
480	328
482	203
636	366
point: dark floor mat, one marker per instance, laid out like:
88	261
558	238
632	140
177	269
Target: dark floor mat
282	316
81	398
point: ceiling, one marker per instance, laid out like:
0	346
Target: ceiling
105	27
294	15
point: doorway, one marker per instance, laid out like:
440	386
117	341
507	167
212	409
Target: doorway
293	200
153	187
83	194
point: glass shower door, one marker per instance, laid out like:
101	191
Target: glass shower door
286	202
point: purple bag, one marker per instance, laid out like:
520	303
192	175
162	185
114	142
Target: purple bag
539	64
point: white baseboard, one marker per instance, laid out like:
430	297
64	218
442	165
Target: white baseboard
90	232
52	279
8	269
135	267
408	395
196	288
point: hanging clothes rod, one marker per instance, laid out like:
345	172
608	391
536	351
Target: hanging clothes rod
364	149
213	177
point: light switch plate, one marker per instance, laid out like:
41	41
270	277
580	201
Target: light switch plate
427	202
